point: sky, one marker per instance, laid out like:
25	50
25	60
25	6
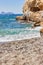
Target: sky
11	6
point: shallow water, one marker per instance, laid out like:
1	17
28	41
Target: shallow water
18	34
11	29
11	24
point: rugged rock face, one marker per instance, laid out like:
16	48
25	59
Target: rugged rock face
33	11
33	5
36	16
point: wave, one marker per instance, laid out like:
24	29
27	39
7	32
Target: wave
9	38
20	34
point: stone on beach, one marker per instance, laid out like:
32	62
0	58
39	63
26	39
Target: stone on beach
25	52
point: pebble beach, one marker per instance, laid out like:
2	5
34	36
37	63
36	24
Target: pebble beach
24	52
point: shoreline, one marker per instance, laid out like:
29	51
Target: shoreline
21	35
22	52
41	36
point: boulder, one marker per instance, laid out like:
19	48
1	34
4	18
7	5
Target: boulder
41	24
33	5
32	11
20	18
41	30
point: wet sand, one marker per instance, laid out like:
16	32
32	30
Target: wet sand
25	52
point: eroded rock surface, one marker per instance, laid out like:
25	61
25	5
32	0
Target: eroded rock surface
33	5
33	11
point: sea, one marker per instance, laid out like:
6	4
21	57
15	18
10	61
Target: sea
12	30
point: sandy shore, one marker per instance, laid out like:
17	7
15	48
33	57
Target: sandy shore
25	52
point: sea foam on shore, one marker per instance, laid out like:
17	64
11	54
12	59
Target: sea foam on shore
20	34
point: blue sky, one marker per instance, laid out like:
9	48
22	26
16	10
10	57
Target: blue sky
11	6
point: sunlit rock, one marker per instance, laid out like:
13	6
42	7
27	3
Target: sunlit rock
21	18
32	11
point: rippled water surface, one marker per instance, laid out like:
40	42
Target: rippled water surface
11	29
8	25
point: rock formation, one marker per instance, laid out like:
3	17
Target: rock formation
33	5
20	18
33	11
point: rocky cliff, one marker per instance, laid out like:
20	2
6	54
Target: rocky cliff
33	5
33	11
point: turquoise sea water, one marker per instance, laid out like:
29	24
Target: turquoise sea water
8	23
11	29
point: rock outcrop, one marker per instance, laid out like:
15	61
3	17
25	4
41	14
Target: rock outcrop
33	11
20	18
33	5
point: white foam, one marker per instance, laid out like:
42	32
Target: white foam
9	38
21	36
36	28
